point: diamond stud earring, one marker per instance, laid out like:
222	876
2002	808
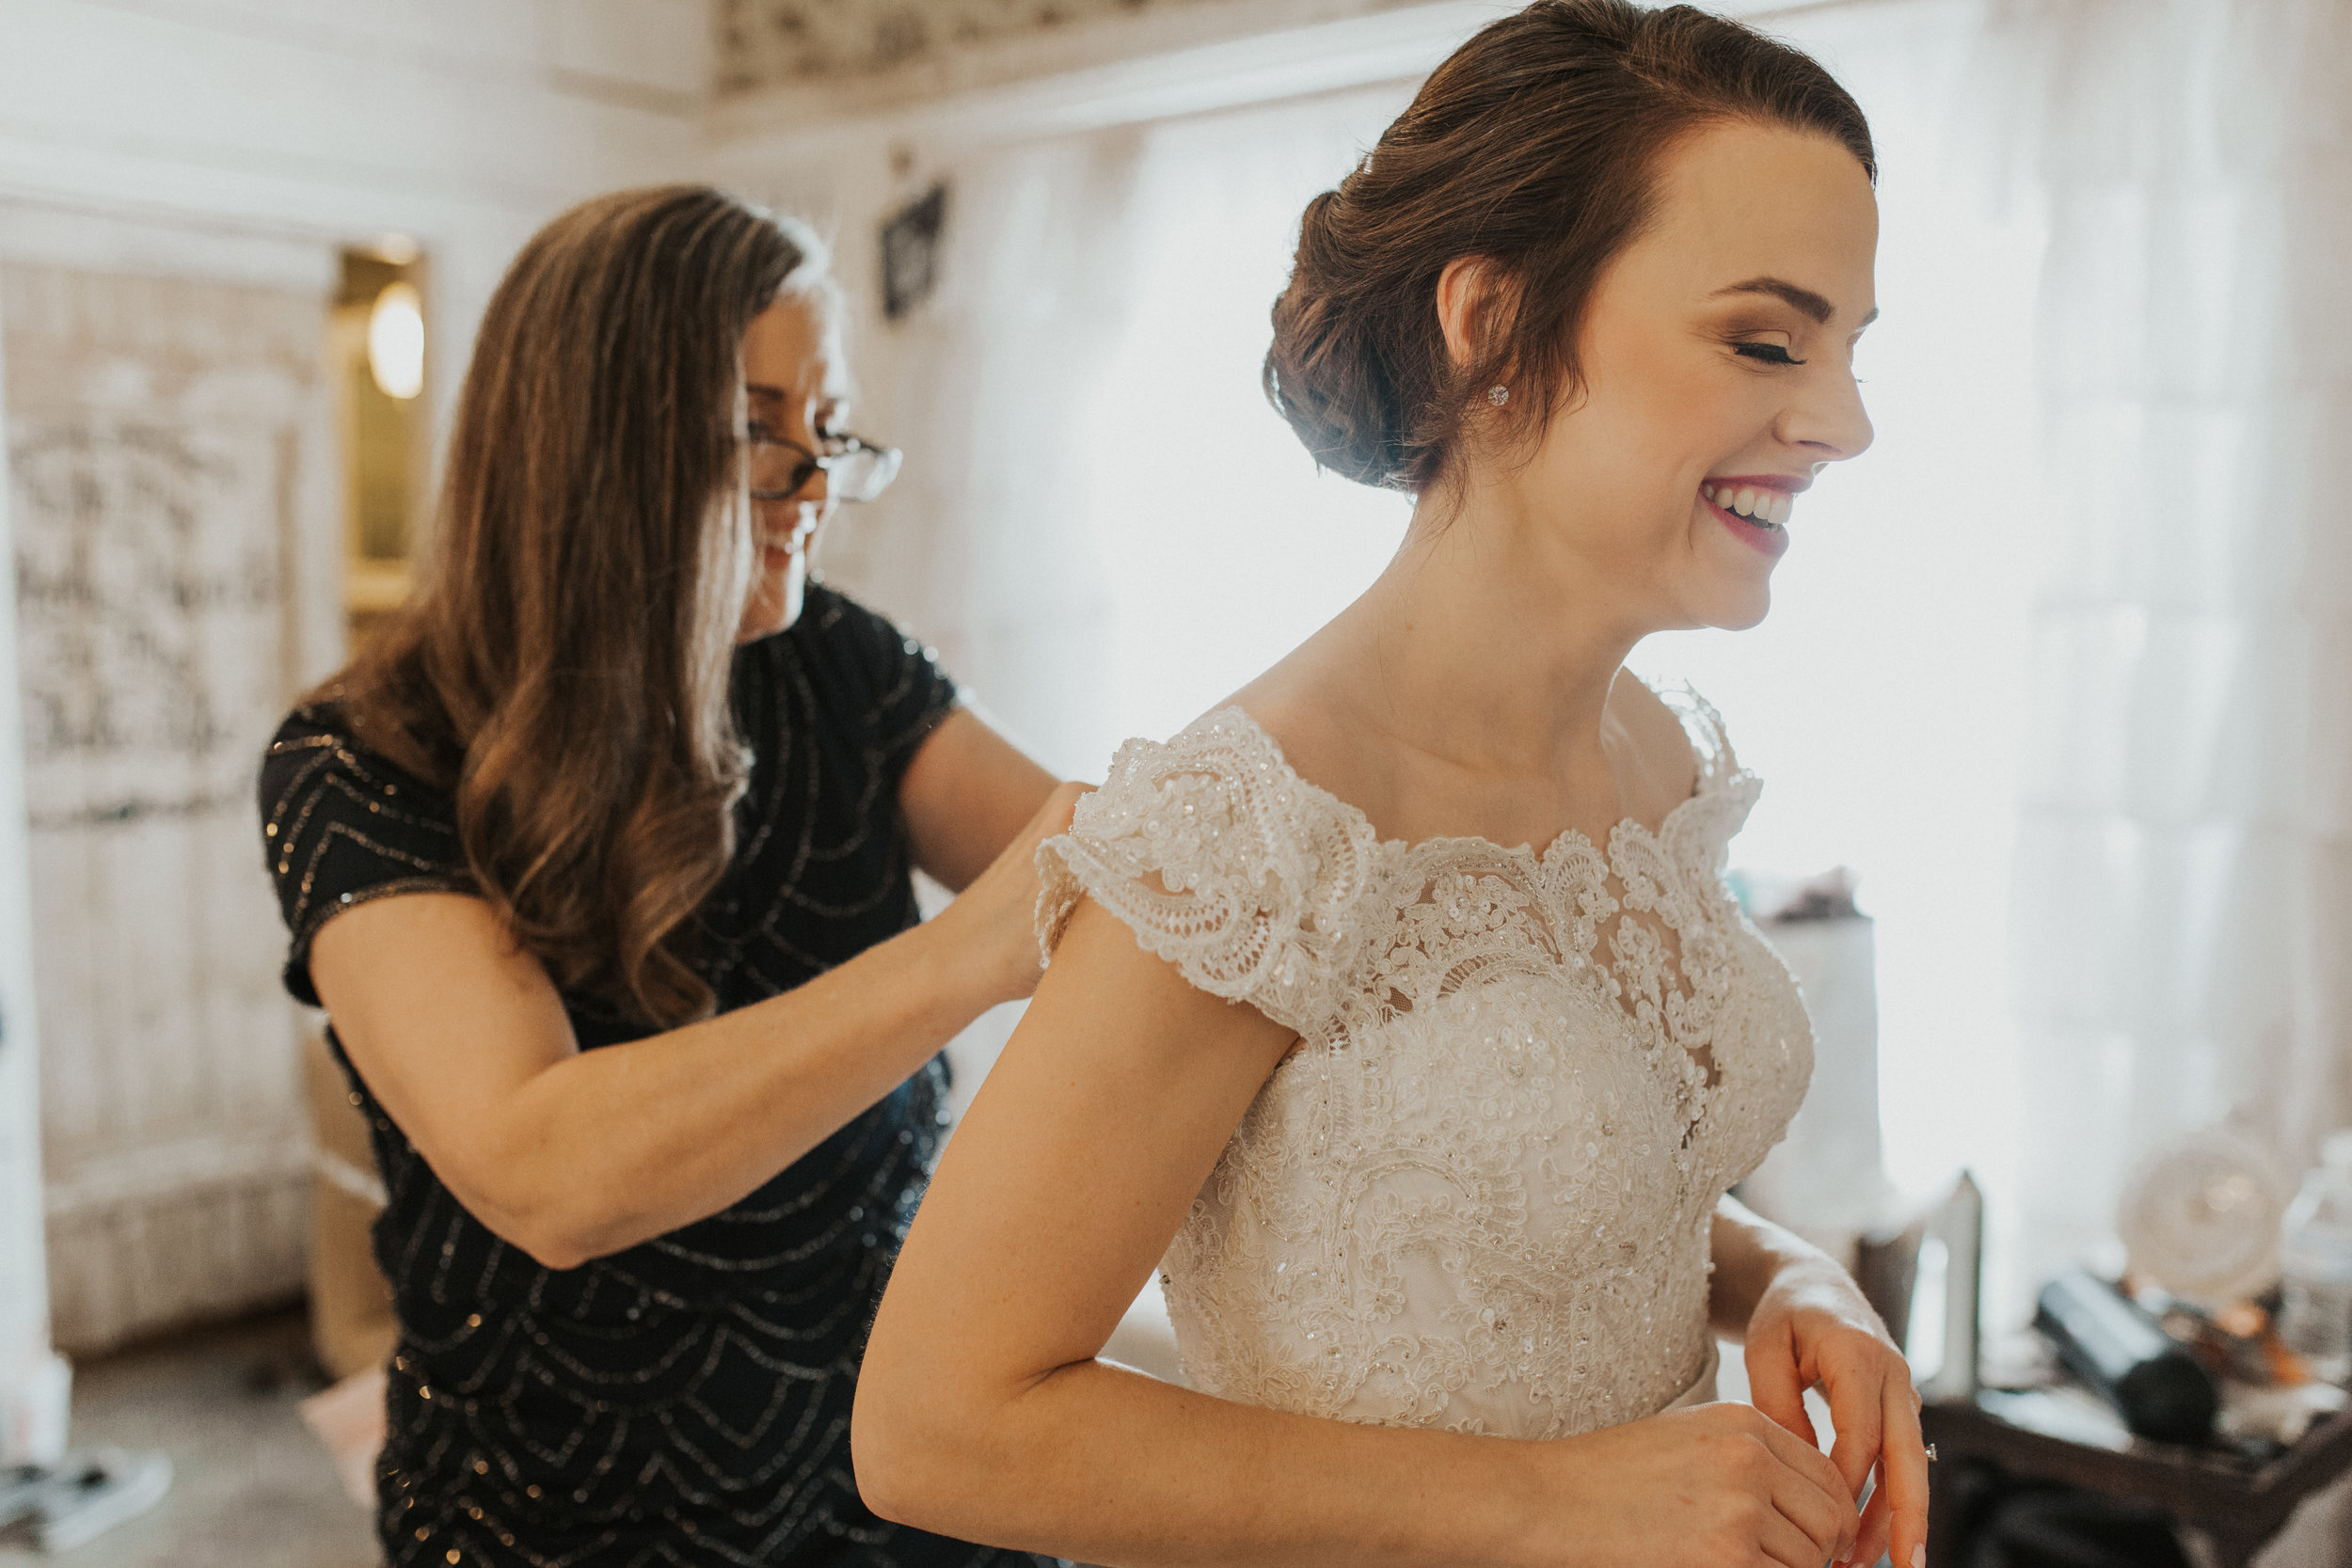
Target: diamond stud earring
1498	395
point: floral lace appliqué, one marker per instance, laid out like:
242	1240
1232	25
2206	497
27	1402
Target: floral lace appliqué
1478	1194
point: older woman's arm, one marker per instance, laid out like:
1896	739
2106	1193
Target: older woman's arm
571	1154
965	795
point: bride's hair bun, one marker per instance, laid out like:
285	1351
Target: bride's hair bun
1532	146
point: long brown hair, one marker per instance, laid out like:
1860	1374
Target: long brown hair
564	669
1535	146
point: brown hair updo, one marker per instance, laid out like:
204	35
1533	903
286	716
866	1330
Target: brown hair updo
564	672
1535	146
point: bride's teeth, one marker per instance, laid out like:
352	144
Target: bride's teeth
1765	508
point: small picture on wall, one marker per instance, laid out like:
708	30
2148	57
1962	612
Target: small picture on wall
910	252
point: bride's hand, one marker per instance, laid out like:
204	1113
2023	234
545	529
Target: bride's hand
1713	1486
1812	1326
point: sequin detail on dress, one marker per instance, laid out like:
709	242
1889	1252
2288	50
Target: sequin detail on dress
1478	1194
686	1401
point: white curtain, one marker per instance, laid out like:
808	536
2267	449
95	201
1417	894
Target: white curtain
2182	922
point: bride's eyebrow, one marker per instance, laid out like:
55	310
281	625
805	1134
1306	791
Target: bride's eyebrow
1804	299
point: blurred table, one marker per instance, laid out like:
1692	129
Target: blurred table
2051	1435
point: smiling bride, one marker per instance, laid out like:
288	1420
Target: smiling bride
1397	1009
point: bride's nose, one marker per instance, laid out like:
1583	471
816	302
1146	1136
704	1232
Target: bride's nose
1827	420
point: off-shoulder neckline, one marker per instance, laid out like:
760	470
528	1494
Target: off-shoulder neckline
1712	780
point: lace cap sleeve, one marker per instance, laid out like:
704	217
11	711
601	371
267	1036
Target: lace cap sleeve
1710	743
1726	792
1223	862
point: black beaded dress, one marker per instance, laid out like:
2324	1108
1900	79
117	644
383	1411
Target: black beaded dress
686	1401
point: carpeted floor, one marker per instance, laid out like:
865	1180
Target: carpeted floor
251	1487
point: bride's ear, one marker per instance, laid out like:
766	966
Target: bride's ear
1473	308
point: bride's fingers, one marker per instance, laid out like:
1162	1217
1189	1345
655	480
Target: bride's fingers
1904	1472
1787	1541
1823	1514
1776	1387
1858	1403
1810	1490
1870	1539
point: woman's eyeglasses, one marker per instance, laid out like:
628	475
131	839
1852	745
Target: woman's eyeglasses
854	469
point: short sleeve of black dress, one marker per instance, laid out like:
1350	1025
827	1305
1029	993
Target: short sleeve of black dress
687	1400
341	826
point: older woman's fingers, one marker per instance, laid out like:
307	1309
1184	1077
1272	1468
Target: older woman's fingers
1775	1386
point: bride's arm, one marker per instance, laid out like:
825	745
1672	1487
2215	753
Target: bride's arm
1804	1322
983	1413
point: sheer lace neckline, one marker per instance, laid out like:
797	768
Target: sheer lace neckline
1566	841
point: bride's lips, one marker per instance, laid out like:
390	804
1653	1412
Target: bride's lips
1764	536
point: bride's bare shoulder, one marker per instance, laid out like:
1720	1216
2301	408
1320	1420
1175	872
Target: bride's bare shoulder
1312	720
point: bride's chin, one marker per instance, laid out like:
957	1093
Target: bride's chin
1742	612
1727	605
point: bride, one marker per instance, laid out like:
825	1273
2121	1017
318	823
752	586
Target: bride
1398	1008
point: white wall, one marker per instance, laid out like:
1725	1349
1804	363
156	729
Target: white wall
230	129
31	1384
245	141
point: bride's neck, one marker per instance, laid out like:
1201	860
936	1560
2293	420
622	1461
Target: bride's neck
1487	639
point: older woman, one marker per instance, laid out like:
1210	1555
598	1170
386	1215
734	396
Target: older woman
598	860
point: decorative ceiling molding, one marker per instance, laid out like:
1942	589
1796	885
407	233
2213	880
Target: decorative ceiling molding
811	61
898	49
1164	59
1020	88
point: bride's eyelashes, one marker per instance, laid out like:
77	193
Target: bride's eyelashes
1771	354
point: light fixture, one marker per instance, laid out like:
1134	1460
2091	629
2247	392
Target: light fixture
396	341
399	249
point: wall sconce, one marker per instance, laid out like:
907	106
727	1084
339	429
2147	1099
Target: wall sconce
396	341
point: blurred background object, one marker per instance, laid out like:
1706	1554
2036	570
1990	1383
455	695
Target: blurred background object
2124	1353
376	337
1827	1178
2201	1217
2315	1266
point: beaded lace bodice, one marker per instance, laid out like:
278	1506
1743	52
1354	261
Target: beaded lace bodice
1478	1194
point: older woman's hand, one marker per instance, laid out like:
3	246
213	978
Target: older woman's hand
1811	1328
994	920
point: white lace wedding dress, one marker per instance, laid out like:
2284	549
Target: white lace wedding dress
1478	1196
